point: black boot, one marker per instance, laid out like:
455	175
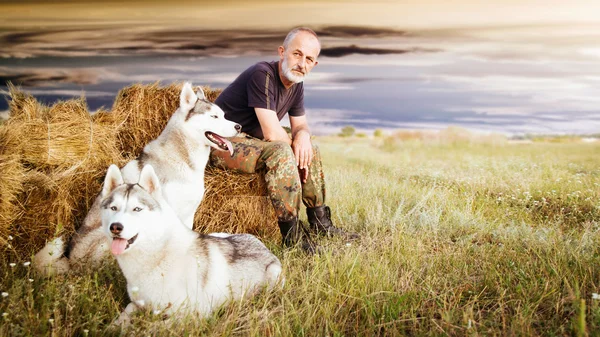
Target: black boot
293	232
319	219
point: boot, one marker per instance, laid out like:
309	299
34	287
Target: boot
293	232
319	219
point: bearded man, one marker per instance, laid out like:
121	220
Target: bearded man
257	100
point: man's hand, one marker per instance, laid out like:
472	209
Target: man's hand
303	152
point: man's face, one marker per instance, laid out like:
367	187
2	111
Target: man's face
300	57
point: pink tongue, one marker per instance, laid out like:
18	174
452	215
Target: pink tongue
229	146
118	246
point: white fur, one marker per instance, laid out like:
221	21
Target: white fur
179	156
171	268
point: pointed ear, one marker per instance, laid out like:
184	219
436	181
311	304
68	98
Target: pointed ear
200	93
148	180
112	180
187	99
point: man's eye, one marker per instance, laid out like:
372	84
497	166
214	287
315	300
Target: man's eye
113	208
137	209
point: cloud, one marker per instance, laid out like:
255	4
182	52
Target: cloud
37	77
141	40
354	49
356	31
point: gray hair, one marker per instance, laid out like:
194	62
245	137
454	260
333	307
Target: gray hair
292	34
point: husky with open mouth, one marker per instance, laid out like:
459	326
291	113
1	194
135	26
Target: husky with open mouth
170	268
179	156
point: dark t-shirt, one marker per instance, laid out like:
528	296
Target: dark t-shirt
260	87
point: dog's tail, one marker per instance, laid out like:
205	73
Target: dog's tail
51	259
273	275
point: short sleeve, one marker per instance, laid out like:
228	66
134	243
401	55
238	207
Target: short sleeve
297	108
261	90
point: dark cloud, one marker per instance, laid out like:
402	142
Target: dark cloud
122	41
356	31
354	49
43	77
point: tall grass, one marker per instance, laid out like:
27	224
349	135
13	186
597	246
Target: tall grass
457	239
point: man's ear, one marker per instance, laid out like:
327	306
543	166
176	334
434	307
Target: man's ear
281	51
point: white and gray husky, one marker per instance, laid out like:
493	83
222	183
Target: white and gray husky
168	266
179	156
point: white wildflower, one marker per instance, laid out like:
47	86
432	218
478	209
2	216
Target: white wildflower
51	320
10	237
30	280
12	264
26	264
595	296
4	314
156	312
4	294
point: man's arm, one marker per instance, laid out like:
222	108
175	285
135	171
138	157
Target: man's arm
271	129
301	144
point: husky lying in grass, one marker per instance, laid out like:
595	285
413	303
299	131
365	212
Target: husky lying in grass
179	155
167	265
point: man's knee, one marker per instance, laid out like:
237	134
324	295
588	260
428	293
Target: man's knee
280	150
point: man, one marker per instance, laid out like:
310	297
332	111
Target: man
257	100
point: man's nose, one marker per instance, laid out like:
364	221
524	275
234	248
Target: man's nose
302	62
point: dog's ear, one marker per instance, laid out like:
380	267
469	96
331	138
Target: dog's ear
112	180
200	93
148	180
188	98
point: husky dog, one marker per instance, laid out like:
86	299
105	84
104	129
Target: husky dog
168	266
179	156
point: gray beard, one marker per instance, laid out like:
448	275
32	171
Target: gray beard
287	72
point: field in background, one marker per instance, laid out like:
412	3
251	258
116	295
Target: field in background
463	237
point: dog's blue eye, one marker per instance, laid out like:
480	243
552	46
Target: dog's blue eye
113	208
137	209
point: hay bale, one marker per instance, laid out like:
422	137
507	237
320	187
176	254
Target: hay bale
143	112
23	106
235	203
12	175
62	137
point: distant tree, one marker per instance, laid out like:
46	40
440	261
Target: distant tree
347	131
378	133
361	135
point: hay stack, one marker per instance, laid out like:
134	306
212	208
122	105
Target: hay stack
235	203
53	161
59	157
12	175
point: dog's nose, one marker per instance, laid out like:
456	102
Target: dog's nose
238	128
116	227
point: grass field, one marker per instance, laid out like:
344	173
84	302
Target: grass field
462	239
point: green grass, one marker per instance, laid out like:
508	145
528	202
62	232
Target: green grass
463	239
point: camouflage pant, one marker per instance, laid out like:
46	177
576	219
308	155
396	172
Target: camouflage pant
276	160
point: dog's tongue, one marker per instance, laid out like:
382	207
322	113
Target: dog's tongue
118	246
229	146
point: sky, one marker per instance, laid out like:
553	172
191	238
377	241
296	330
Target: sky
511	67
